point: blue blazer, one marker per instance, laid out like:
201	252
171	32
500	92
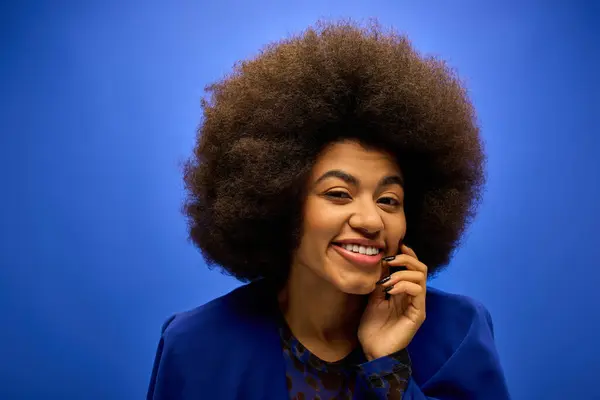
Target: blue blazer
230	348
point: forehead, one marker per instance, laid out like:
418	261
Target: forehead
354	158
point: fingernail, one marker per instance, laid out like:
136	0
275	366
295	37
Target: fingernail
384	280
387	289
389	258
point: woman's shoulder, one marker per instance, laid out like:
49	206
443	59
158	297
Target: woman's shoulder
461	317
456	330
457	313
230	315
221	339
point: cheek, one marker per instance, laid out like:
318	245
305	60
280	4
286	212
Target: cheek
318	232
322	222
396	231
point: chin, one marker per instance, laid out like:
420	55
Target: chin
362	286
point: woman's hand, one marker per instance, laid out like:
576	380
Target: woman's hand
388	326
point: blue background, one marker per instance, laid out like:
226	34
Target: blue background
99	106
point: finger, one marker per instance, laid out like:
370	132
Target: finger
406	287
407	250
408	275
408	261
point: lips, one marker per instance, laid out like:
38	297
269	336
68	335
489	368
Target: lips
361	260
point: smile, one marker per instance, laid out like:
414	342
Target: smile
356	248
364	256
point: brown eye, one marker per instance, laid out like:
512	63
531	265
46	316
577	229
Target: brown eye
337	194
389	201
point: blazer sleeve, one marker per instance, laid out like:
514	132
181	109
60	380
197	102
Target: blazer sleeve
164	376
472	372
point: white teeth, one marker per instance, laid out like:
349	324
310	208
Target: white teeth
368	250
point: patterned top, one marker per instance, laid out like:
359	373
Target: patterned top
353	377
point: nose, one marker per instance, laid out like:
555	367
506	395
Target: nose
367	219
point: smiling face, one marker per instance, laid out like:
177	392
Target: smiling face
353	216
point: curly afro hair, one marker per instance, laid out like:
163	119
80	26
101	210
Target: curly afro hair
266	122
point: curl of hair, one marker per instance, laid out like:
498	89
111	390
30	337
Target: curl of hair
265	124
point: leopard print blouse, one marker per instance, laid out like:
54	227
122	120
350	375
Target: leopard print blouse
353	377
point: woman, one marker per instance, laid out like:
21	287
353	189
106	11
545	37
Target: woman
334	172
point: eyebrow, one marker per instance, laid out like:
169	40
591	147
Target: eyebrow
352	180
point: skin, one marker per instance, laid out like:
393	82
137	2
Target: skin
331	303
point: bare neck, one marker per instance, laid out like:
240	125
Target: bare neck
324	319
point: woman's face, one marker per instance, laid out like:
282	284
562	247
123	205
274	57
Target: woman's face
353	216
